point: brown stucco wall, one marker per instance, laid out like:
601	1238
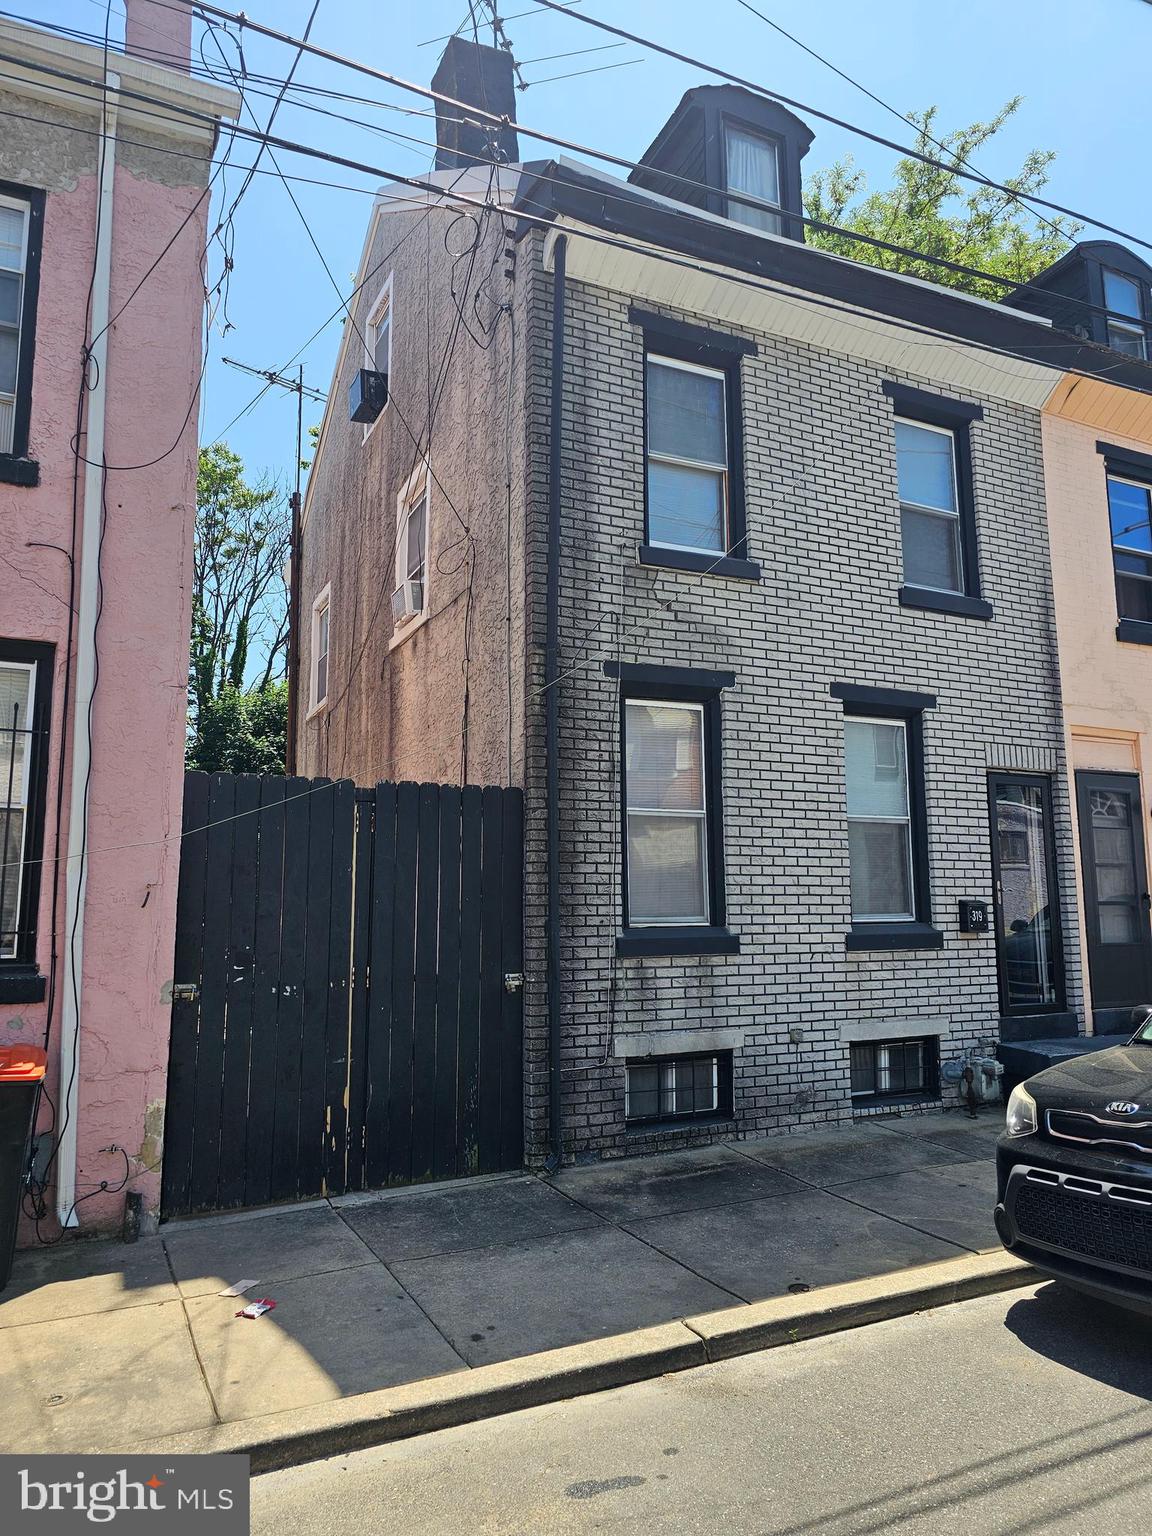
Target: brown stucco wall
446	702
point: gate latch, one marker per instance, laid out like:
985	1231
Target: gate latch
513	981
185	991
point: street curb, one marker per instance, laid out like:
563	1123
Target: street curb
398	1413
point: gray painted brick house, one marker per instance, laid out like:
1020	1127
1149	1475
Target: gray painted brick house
792	628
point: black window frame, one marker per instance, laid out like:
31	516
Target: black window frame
723	1109
20	980
16	468
1113	317
954	416
904	705
686	343
930	1044
1043	782
1125	464
678	685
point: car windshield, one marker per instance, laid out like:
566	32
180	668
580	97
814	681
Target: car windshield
1145	1035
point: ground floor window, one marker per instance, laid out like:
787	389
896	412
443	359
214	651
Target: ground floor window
670	1088
894	1068
25	690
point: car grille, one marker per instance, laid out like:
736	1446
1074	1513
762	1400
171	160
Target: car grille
1111	1223
1133	1136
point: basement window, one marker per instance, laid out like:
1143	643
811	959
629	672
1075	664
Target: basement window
668	1089
895	1069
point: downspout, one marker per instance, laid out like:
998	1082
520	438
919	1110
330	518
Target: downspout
552	702
76	866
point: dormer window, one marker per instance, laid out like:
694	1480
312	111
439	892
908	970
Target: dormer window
753	166
1122	298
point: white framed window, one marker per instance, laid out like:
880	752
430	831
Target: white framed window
17	756
410	596
879	819
930	531
378	339
666	810
14	220
752	164
1123	300
687	448
321	637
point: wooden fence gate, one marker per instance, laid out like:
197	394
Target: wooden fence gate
346	1005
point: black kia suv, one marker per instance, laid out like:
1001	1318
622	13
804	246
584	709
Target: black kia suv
1074	1170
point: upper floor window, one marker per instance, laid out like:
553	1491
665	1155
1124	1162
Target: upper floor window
321	629
752	164
410	598
688	485
21	223
25	690
1123	300
937	510
929	507
1130	513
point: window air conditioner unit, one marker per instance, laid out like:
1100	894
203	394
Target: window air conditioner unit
367	395
407	601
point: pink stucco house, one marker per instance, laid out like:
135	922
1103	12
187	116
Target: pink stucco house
104	204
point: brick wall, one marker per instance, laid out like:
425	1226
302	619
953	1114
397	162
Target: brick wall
823	523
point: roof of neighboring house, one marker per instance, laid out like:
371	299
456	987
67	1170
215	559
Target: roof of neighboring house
565	188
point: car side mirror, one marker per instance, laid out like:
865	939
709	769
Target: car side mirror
1140	1015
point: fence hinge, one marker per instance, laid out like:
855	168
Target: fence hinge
513	981
185	991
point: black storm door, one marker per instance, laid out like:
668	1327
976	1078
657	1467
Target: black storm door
1116	895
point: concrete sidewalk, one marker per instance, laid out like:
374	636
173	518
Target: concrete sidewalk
104	1346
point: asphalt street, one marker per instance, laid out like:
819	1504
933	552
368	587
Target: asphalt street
1024	1413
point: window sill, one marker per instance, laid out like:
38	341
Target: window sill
14	471
681	940
946	602
406	631
1134	631
894	936
689	560
635	1129
317	710
21	984
896	1101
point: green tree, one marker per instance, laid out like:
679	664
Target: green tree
242	732
940	213
239	613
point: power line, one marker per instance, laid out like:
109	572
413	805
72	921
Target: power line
837	122
880	102
874	242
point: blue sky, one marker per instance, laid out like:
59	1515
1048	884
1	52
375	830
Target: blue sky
1072	62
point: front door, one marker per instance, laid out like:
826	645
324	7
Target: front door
1116	898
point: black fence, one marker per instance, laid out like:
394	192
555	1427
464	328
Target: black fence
346	1002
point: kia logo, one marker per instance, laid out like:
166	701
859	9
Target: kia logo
1123	1107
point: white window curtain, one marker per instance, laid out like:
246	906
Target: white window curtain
666	813
753	167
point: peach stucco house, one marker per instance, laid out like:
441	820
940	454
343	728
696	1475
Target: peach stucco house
103	222
1097	438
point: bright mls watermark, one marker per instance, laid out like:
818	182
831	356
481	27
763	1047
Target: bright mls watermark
188	1495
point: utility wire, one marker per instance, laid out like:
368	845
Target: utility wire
744	198
880	102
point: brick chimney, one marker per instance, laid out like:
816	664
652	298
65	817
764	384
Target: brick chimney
482	77
160	30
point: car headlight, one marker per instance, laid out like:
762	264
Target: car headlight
1021	1118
